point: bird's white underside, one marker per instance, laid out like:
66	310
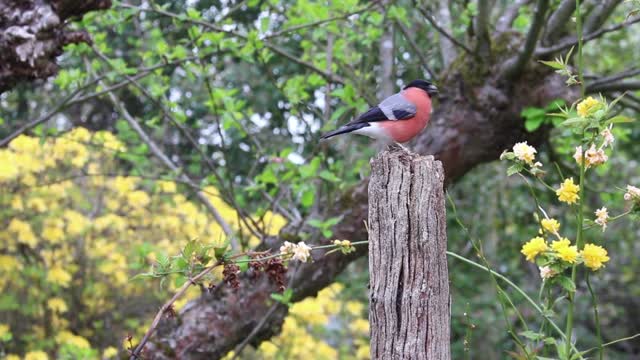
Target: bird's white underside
374	131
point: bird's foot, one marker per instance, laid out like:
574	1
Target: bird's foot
398	147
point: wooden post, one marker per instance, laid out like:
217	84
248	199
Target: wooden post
409	287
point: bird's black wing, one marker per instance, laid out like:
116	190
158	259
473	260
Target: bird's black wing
395	107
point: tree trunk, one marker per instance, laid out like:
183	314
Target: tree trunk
409	286
33	33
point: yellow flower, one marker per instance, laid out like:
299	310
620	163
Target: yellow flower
560	244
568	191
25	144
551	225
57	305
534	247
588	106
568	253
594	256
12	357
9	263
8	167
110	352
67	337
167	186
4	330
36	355
59	276
524	152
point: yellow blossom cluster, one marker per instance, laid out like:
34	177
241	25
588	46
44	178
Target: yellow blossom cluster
80	234
568	191
313	319
588	106
593	256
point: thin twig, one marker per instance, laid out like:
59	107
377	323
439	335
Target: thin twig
444	33
566	44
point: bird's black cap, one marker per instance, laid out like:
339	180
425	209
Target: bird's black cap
424	85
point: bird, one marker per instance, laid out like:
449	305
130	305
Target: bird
397	119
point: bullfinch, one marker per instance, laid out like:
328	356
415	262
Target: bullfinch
398	118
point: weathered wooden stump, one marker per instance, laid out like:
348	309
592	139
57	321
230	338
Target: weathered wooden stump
409	296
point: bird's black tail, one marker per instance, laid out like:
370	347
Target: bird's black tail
344	129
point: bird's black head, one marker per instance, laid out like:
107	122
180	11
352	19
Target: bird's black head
424	85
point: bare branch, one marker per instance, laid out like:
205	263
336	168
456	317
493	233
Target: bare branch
513	67
572	41
447	47
509	15
444	33
600	15
420	53
615	77
559	19
483	42
631	85
386	54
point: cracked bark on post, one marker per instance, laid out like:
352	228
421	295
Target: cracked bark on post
409	295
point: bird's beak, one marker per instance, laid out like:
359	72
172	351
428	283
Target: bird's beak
432	90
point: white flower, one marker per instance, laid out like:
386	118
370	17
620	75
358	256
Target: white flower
524	152
578	155
602	216
595	156
607	136
633	193
301	252
546	272
287	248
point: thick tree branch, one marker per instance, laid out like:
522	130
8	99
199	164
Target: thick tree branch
447	47
559	18
600	14
386	55
615	77
573	41
515	66
615	86
483	42
444	32
509	15
33	33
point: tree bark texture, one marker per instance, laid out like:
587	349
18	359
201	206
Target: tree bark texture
33	33
409	285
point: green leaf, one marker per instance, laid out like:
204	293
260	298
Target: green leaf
532	335
532	112
620	119
574	121
514	169
554	64
221	251
532	124
315	223
243	264
308	197
329	176
566	283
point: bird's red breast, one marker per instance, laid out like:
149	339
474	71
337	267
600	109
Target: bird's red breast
405	130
